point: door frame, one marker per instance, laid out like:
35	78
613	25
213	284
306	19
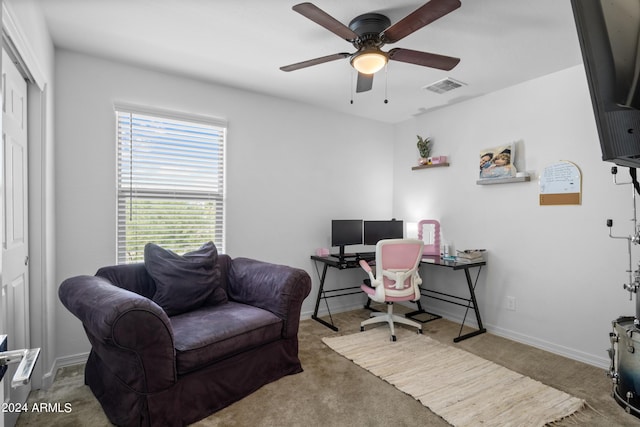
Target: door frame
42	291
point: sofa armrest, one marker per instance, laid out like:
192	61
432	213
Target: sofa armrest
277	288
130	333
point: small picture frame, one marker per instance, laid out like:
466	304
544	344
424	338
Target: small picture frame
498	162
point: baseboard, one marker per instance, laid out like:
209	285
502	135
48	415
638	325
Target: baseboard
334	310
47	380
570	353
76	359
62	362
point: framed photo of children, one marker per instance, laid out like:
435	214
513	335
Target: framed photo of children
497	162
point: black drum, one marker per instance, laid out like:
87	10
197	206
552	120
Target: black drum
625	364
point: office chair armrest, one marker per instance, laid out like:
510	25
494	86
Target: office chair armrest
365	266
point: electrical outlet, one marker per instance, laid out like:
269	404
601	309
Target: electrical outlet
511	303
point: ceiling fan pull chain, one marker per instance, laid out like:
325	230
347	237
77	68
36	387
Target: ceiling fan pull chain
351	83
386	79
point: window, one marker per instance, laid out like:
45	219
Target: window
170	182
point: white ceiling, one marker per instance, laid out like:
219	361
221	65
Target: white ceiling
243	44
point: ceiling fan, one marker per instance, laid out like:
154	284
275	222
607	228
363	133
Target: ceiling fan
369	32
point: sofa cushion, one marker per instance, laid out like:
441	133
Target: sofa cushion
208	334
183	283
218	296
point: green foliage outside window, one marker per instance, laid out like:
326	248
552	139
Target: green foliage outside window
178	225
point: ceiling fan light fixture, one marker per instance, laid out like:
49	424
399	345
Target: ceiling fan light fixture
369	61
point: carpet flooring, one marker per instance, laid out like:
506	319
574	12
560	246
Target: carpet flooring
464	389
333	391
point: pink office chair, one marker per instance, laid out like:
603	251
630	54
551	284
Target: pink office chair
396	279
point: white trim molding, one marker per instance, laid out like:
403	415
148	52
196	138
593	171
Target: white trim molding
18	47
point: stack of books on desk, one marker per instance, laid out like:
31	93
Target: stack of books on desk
470	255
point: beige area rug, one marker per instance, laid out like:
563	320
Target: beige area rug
462	388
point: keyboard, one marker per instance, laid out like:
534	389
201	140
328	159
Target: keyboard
366	255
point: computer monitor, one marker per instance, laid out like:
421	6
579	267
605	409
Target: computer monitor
345	232
375	231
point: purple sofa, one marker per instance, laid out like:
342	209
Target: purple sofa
149	369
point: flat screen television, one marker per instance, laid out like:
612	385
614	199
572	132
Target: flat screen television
346	232
379	230
609	35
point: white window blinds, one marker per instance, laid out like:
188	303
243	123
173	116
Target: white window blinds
170	183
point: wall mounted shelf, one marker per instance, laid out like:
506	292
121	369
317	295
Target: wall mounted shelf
490	181
435	165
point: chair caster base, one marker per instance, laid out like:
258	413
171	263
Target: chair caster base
361	328
393	338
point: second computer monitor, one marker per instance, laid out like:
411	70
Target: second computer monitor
375	231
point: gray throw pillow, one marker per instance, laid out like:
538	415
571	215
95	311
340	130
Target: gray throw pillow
183	282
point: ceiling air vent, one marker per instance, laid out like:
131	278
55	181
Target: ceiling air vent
444	85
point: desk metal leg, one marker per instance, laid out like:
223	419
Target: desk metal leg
318	298
472	293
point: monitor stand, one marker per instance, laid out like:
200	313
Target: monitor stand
342	256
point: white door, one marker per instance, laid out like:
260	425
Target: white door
14	295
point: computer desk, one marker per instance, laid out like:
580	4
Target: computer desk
469	302
324	294
353	262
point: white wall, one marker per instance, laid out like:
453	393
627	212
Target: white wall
291	168
557	261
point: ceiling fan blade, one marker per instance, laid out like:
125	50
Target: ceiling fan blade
325	20
425	59
417	19
365	82
315	61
